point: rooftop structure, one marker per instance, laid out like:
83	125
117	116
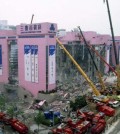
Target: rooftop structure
4	25
76	46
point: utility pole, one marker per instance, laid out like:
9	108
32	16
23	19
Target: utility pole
112	32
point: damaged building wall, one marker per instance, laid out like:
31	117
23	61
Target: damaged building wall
66	70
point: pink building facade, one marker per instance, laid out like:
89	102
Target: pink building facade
96	39
28	56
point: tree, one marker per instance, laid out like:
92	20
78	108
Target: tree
2	102
38	119
13	111
10	111
80	102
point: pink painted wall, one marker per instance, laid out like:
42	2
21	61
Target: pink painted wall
46	31
41	85
7	33
32	87
5	58
42	43
100	39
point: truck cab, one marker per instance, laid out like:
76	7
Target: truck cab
62	128
105	109
83	127
99	127
114	104
97	117
89	115
19	126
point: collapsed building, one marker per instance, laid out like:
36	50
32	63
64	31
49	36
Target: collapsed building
77	48
31	59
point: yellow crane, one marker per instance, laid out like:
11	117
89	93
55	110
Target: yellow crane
94	89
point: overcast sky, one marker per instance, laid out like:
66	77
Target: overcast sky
91	15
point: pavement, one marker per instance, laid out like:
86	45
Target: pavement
114	129
42	129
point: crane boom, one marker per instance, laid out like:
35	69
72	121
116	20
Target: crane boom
112	32
95	91
102	59
32	18
98	72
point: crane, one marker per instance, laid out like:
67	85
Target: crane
98	72
112	32
94	89
117	72
32	18
114	46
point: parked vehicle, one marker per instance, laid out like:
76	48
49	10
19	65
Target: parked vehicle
14	123
99	127
19	126
61	129
98	117
89	115
99	99
6	119
80	114
73	123
105	109
114	104
83	127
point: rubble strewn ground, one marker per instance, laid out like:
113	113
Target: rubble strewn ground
58	101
